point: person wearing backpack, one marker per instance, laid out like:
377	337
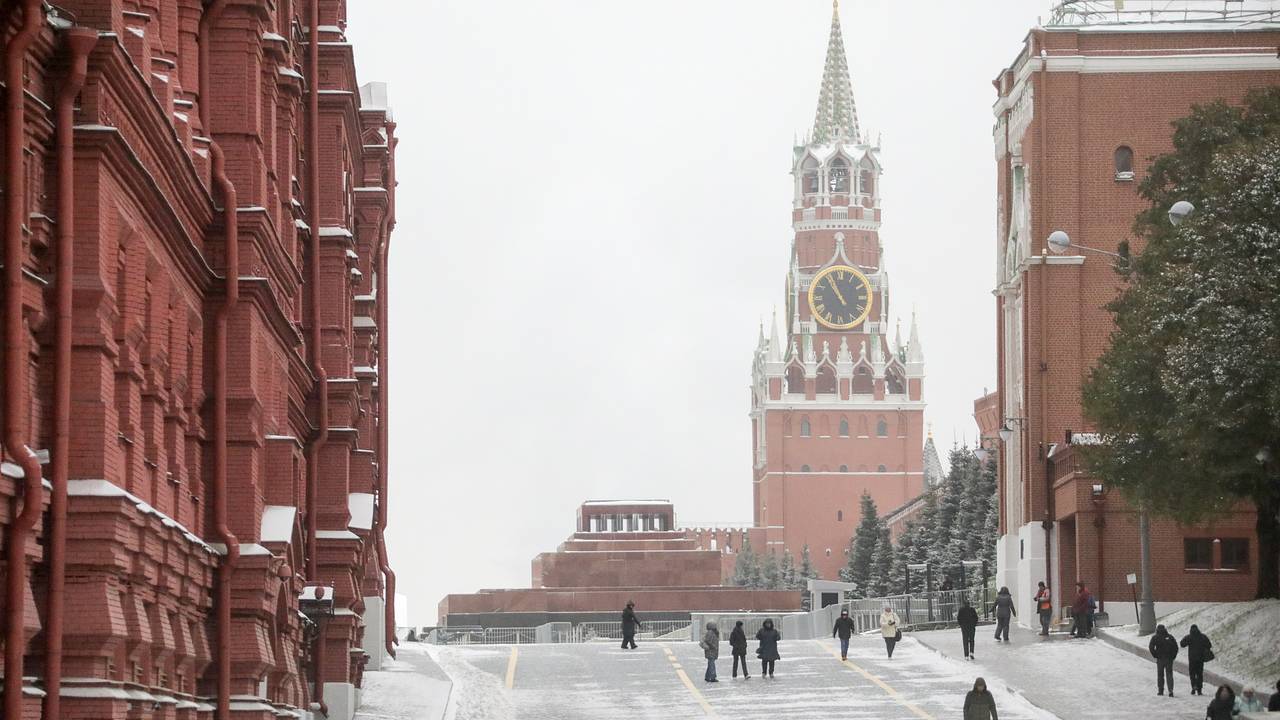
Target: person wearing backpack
1199	651
1044	607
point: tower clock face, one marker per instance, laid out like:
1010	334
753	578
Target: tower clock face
840	297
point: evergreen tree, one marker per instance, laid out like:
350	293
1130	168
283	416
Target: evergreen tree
882	564
1187	396
806	565
862	547
770	572
746	569
790	581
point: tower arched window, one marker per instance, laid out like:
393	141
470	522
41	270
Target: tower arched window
893	382
839	516
795	379
881	468
844	468
844	427
826	380
838	176
882	427
804	468
809	178
863	382
1124	162
867	182
805	429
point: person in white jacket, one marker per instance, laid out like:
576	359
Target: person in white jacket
889	622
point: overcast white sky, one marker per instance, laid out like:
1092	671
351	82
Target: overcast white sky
594	215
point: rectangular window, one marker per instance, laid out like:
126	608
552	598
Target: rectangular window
1198	553
1235	554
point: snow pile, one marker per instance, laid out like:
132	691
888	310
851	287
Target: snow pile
1243	635
477	695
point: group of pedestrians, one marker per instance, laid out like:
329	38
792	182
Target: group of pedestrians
767	638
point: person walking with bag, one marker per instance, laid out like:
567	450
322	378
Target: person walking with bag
889	629
843	628
967	618
1199	651
1044	607
768	637
979	704
1164	649
711	649
738	645
1004	611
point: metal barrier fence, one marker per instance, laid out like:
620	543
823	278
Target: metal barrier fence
483	636
649	629
937	607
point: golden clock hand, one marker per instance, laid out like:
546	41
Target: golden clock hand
840	295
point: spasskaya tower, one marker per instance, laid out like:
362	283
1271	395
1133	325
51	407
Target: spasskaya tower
837	406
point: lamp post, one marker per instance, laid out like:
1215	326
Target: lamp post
1060	242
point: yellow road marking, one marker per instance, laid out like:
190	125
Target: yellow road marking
511	667
916	709
706	706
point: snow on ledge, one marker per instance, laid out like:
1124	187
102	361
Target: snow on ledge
360	505
277	523
336	535
105	488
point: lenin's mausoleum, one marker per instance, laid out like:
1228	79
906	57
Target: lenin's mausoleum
197	200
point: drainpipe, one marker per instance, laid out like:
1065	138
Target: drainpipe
317	356
1047	523
389	612
226	569
80	42
16	396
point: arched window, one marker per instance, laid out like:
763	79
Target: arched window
826	380
844	427
795	379
804	468
882	427
863	383
839	516
839	175
828	552
1124	163
881	468
844	468
805	429
867	182
809	176
893	382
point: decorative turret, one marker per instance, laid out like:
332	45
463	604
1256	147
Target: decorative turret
915	351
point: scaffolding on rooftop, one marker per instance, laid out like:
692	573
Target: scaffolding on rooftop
1074	13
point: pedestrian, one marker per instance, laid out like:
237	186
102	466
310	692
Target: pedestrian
843	628
979	704
768	638
413	635
1223	704
1004	611
630	624
968	621
1044	607
1164	649
1273	705
1080	612
711	649
889	629
738	644
1249	702
1093	611
946	585
1199	651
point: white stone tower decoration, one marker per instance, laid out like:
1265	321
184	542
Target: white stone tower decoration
836	409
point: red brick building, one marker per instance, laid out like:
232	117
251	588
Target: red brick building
1081	112
198	199
837	407
620	550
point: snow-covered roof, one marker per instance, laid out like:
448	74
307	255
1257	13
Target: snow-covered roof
360	505
105	488
277	523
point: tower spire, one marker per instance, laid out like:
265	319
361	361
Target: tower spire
837	116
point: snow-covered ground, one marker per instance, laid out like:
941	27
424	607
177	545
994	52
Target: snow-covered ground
1245	639
411	687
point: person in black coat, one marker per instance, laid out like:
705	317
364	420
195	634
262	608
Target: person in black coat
1223	705
843	628
738	644
967	618
1164	649
1004	611
1198	646
768	638
630	624
1274	704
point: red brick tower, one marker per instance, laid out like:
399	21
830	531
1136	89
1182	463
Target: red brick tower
836	409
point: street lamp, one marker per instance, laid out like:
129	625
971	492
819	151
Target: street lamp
1060	242
1006	431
